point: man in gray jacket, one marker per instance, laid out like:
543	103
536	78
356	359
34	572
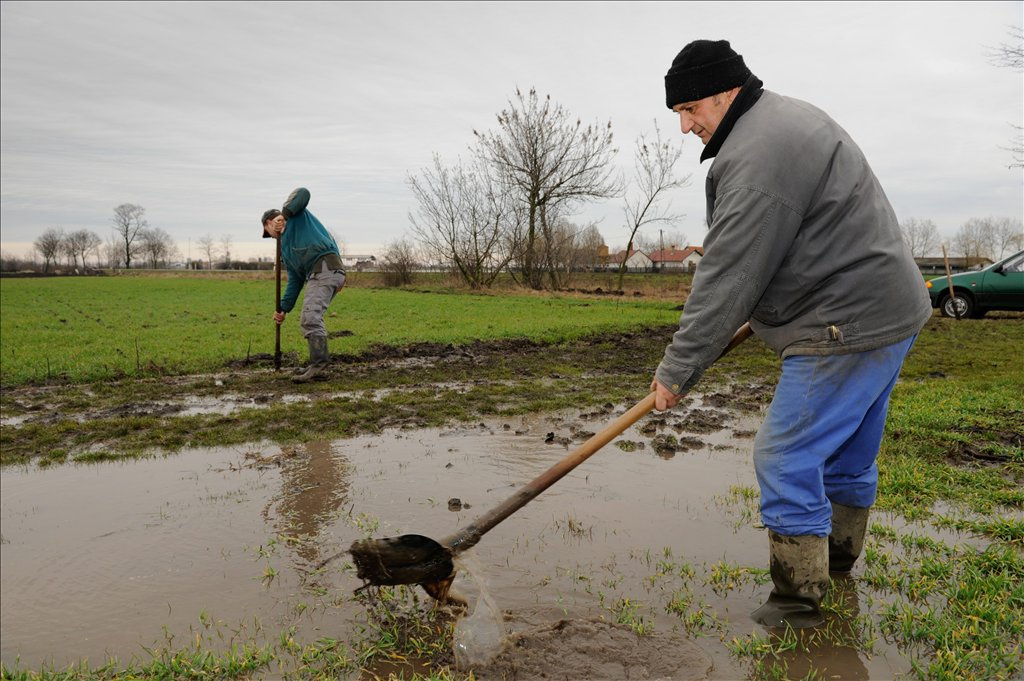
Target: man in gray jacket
803	243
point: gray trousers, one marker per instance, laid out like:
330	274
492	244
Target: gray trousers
321	287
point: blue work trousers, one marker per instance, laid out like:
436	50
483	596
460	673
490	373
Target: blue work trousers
821	435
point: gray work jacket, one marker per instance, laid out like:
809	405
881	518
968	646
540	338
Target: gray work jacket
802	243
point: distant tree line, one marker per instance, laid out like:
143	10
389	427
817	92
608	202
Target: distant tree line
991	237
133	243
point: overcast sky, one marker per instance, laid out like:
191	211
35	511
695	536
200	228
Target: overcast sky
208	113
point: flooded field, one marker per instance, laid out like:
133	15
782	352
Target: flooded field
115	559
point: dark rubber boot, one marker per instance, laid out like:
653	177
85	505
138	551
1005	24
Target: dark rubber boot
799	570
849	525
317	369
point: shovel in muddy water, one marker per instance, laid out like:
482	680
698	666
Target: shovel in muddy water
415	559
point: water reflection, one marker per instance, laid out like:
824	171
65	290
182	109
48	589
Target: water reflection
314	486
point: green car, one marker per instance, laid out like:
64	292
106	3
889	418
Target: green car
997	287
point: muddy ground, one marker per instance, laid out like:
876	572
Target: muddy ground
221	543
265	479
420	385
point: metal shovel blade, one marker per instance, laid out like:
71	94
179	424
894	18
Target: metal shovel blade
407	559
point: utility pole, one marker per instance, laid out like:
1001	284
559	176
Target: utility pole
661	240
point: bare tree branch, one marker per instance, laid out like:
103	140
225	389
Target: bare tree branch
208	247
1011	56
464	217
549	163
655	176
920	236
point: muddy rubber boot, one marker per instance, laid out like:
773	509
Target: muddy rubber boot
799	569
849	525
317	369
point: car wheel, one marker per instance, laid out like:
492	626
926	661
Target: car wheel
960	303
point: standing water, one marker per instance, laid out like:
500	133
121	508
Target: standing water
114	559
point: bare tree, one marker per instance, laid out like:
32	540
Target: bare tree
920	236
463	217
550	163
49	246
208	247
569	248
225	244
112	252
81	243
129	220
1011	56
158	246
589	242
976	238
989	237
655	176
1008	236
67	249
398	263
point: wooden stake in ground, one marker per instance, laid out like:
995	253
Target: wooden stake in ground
949	280
277	306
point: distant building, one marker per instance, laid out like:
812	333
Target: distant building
636	261
674	259
938	265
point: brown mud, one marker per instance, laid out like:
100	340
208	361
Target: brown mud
380	388
246	381
573	649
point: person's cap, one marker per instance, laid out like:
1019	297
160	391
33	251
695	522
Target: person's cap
702	69
268	215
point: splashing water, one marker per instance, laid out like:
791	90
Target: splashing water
479	637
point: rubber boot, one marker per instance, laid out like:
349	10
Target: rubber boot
849	525
317	369
799	568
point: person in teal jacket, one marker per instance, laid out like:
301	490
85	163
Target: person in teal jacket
312	260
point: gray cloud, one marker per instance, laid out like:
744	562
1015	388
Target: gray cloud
207	113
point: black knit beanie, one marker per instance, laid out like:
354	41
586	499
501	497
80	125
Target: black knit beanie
702	69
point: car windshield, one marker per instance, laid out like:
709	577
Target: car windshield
1015	263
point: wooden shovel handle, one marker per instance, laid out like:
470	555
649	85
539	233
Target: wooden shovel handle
471	534
277	305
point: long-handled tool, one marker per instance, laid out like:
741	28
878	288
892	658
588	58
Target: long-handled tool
277	306
415	559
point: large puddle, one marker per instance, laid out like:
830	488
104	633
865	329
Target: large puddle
109	559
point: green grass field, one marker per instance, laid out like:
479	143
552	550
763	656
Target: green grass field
91	328
952	456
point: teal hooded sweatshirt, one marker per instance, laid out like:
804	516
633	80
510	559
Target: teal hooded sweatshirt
305	240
